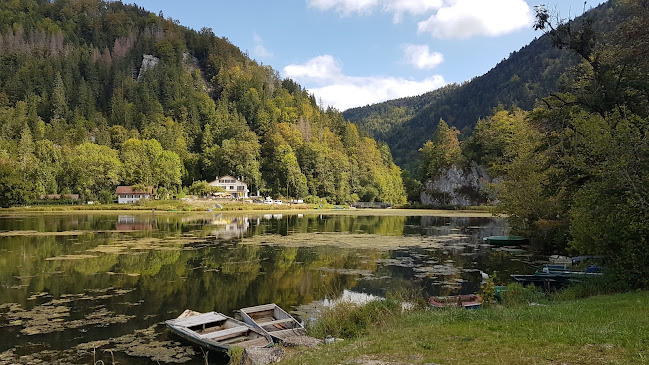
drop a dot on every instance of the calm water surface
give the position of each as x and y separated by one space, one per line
74 284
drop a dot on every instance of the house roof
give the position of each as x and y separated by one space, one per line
129 190
229 177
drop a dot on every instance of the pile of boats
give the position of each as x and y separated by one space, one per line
261 326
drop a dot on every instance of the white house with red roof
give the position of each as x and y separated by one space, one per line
126 194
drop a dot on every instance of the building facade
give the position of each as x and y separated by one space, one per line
126 194
233 186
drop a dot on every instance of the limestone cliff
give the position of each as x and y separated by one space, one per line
457 186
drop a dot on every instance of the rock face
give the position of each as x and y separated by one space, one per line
457 186
148 62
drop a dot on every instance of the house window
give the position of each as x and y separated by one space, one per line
231 187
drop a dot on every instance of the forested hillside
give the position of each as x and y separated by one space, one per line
531 73
571 173
95 93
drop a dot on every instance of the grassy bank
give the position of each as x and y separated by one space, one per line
611 329
238 207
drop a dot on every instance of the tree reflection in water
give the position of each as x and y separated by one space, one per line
145 268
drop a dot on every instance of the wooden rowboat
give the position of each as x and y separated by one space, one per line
216 331
505 240
471 301
273 320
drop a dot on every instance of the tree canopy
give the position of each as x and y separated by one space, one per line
152 102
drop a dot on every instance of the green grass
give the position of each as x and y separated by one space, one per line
161 205
612 329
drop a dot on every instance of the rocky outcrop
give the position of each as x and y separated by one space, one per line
457 186
262 355
148 62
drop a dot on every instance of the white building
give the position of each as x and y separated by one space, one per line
232 186
126 194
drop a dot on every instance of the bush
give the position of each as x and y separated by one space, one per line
488 290
517 294
606 284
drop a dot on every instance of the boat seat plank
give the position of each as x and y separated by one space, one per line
227 332
236 340
199 319
288 333
277 321
261 342
259 308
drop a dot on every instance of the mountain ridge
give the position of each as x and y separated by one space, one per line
526 75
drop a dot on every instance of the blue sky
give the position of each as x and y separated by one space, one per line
358 52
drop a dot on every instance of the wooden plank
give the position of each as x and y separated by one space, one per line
258 342
288 333
259 308
234 340
199 319
278 321
225 333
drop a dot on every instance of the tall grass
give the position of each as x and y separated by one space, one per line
350 320
235 354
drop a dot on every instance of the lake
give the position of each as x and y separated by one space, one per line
86 287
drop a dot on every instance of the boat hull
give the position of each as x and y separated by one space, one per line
506 240
472 301
217 332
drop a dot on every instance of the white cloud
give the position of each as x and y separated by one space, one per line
414 7
421 57
320 69
459 19
466 18
260 50
343 92
344 7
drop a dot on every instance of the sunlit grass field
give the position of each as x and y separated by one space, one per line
612 329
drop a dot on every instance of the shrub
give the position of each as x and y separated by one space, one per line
606 284
517 294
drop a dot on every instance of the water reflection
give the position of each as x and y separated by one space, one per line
132 223
228 229
71 283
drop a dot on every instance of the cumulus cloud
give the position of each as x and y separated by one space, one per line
420 56
466 18
341 91
414 7
344 7
320 69
459 19
260 50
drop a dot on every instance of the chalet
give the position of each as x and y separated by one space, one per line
232 186
126 194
